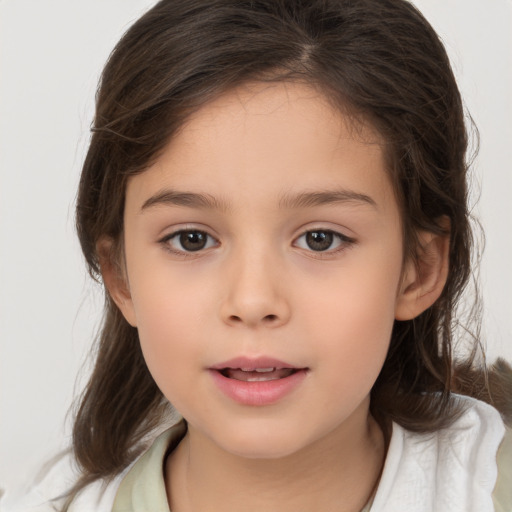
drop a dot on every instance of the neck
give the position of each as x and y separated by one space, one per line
338 473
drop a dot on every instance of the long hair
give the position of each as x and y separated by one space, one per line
381 61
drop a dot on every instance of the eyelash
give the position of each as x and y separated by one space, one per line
343 241
167 239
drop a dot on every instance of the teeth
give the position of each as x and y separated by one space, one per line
262 378
258 374
259 370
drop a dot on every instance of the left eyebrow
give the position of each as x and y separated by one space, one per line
319 198
188 199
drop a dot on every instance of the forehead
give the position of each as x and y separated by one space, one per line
295 110
273 139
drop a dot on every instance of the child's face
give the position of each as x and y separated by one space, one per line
289 249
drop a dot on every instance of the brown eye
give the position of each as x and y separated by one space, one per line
193 240
323 240
319 240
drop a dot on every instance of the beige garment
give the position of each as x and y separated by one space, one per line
143 488
502 495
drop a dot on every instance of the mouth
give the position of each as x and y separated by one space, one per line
257 374
258 369
257 381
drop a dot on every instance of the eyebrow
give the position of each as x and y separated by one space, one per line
287 201
323 197
189 199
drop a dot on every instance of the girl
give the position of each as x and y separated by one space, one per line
275 199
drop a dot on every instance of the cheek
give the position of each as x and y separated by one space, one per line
351 351
357 336
168 311
352 320
170 349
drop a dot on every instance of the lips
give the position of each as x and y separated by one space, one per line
259 381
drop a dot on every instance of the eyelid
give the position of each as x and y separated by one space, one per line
345 242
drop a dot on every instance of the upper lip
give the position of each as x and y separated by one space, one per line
252 363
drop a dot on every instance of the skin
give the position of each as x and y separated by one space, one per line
258 288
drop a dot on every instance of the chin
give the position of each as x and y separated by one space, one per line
262 442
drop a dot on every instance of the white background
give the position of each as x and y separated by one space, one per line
51 55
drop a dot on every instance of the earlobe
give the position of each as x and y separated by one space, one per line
115 279
423 280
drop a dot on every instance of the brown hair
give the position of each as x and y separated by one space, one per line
379 59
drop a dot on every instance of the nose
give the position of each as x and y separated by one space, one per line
254 292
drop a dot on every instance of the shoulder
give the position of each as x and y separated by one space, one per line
502 495
453 469
470 442
53 480
58 476
47 493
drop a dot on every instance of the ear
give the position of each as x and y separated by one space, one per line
115 279
423 280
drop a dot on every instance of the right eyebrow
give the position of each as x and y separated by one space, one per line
322 197
189 199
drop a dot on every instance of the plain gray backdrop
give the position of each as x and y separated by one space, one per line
51 54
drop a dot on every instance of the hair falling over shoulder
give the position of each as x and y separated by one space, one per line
380 61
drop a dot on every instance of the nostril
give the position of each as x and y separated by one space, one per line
270 320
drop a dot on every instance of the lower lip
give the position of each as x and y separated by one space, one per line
259 392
